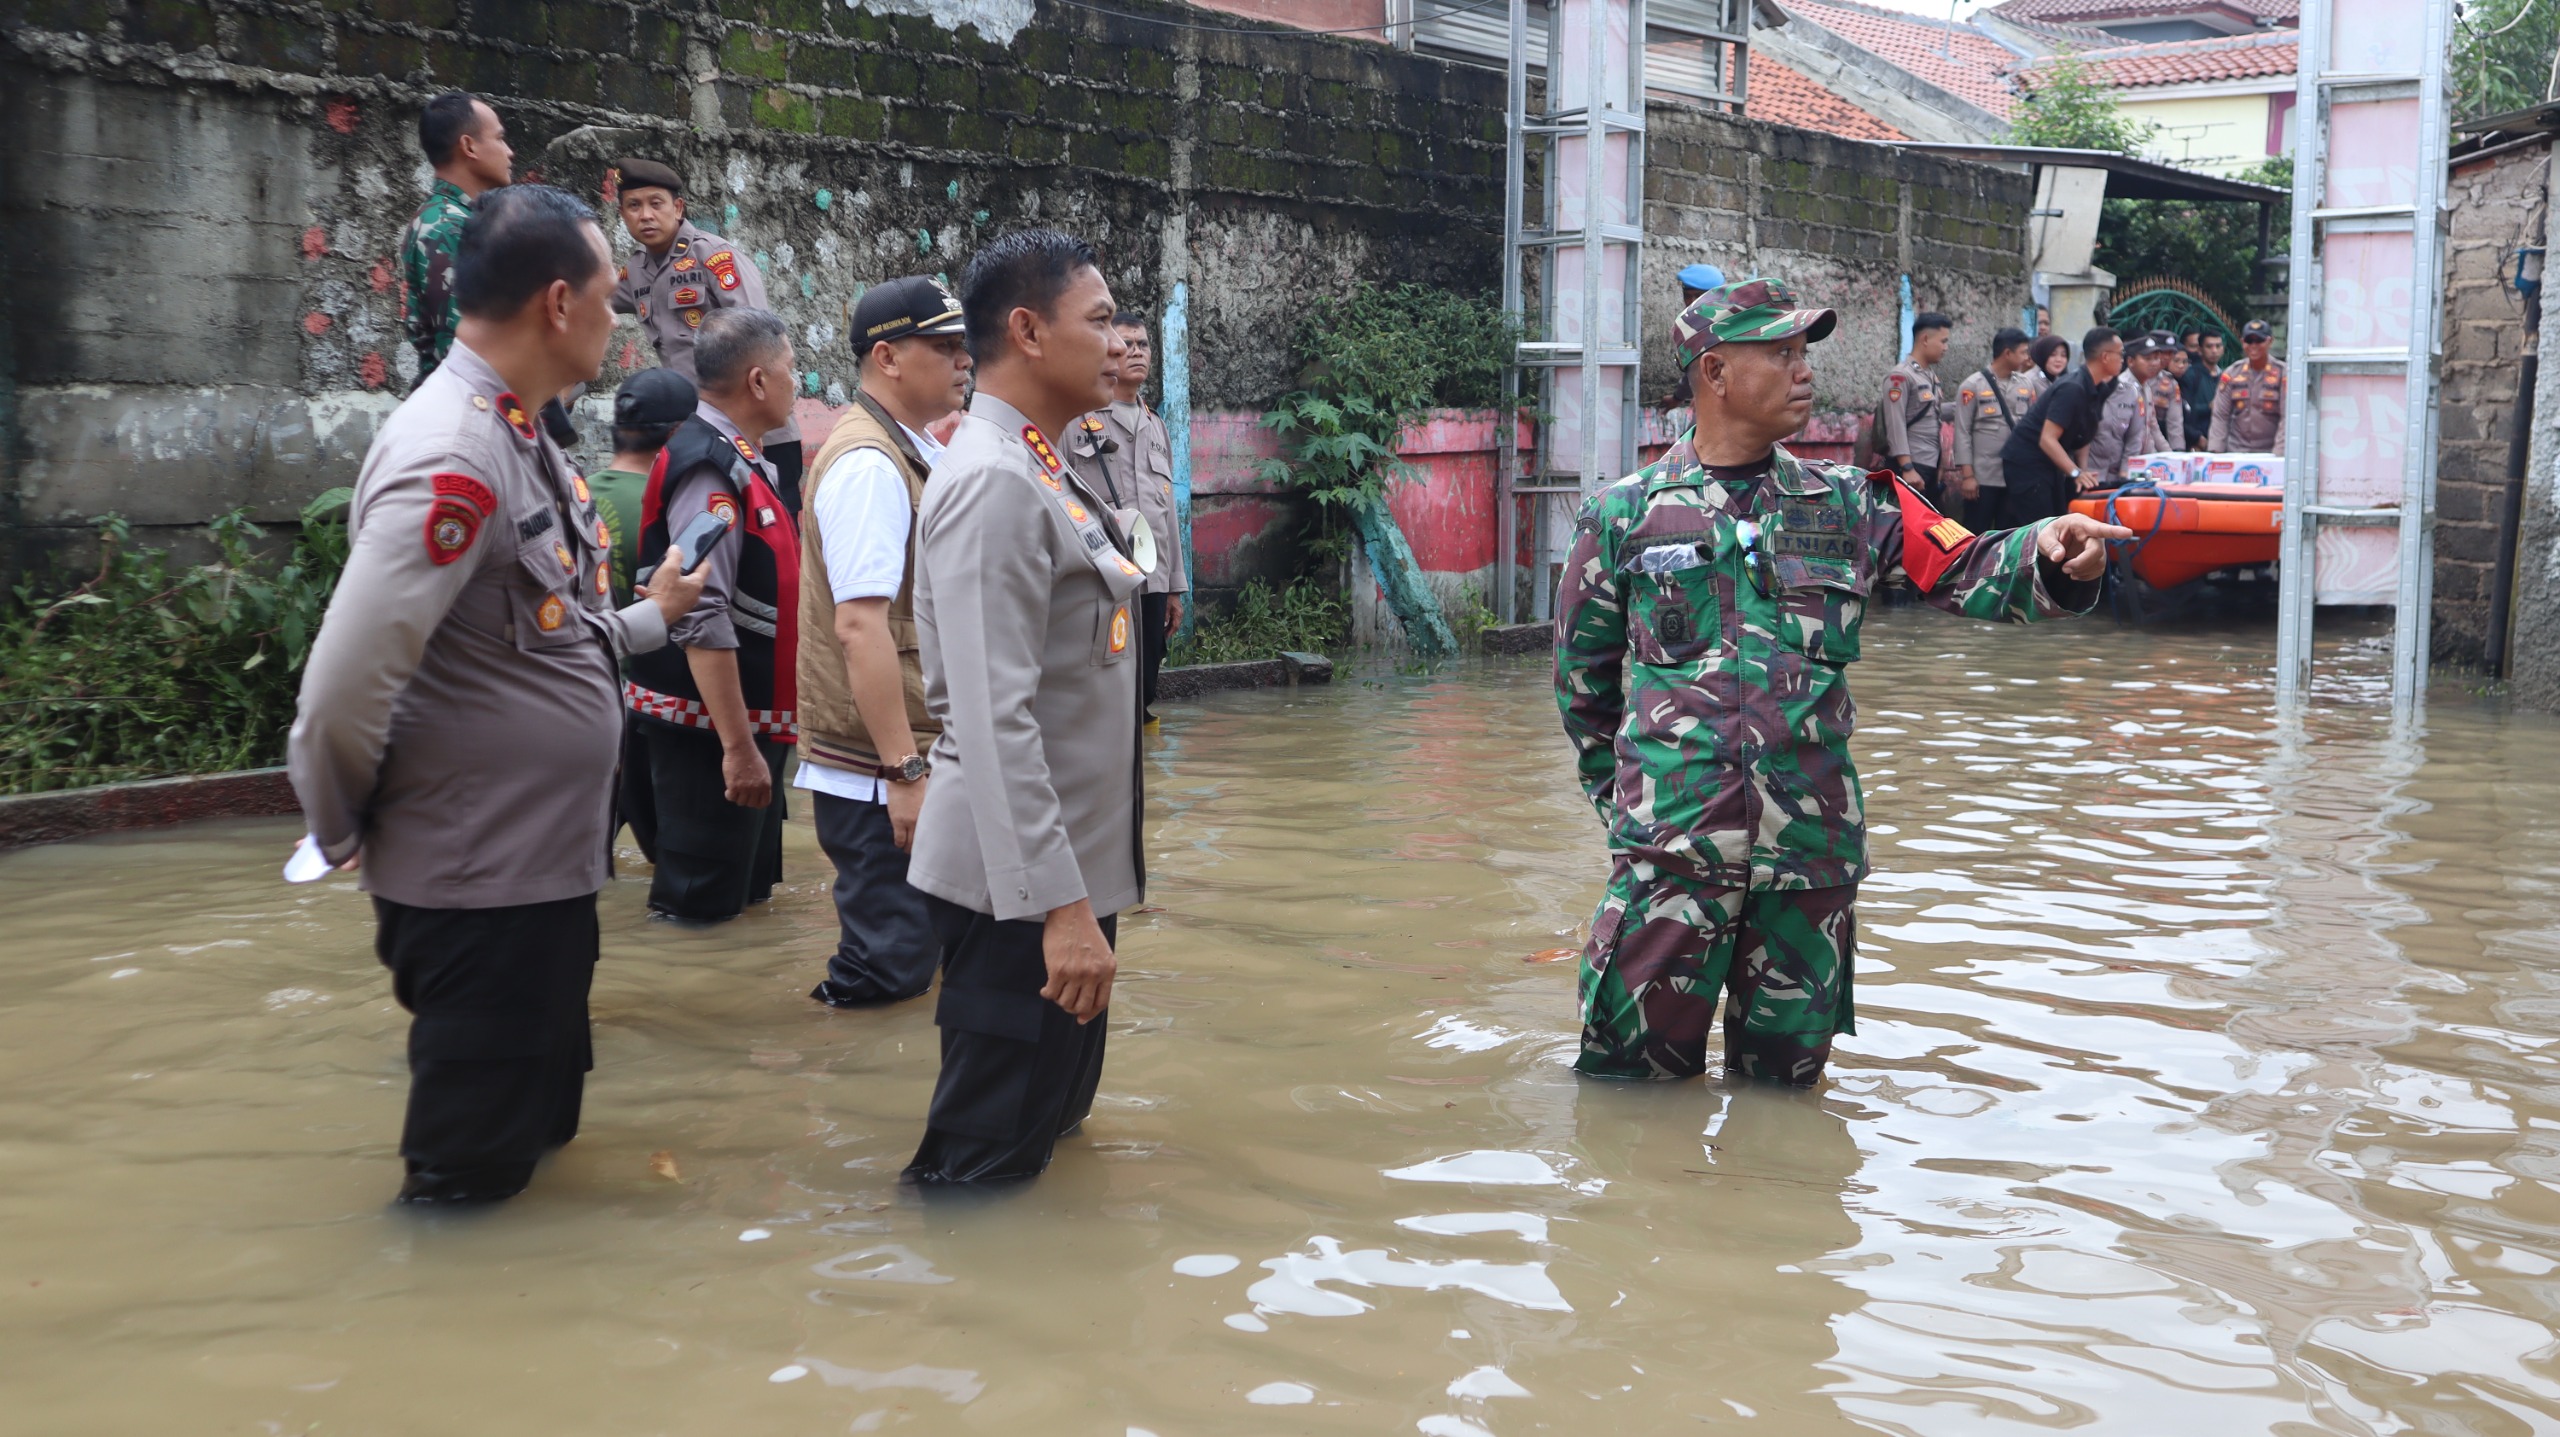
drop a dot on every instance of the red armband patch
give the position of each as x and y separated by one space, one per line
723 506
461 504
1931 542
723 267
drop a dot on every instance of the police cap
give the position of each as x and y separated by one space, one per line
2257 329
640 174
904 308
654 397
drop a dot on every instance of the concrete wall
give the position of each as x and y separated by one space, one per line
209 196
2494 205
206 196
1842 220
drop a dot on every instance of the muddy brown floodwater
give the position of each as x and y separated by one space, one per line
2204 1084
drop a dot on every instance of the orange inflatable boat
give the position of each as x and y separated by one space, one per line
2182 532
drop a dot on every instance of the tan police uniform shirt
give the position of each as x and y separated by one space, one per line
1026 614
673 293
2124 430
462 710
1981 426
1911 415
2248 410
1135 472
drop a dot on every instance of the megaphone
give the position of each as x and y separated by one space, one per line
1142 543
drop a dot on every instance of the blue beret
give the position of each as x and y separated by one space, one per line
1702 276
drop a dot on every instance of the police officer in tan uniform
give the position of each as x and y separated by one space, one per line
2125 424
1027 611
1911 406
1988 404
2248 409
682 275
1124 451
460 714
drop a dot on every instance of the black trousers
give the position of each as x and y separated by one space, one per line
1151 645
787 463
1017 1072
1930 489
2034 492
713 856
498 1042
885 948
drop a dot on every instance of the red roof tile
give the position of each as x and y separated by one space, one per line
2188 62
1783 97
1956 58
2102 11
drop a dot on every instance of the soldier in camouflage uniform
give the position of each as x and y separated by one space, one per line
1709 606
466 144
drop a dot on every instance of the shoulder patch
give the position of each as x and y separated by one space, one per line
724 266
724 506
1893 389
454 517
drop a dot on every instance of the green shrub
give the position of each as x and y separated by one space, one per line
147 671
1260 623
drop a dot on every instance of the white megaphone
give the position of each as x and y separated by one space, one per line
1142 543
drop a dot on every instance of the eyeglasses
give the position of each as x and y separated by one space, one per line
1755 560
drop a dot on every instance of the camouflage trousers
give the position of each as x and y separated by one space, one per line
1662 947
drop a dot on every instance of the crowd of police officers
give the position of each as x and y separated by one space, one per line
952 608
945 614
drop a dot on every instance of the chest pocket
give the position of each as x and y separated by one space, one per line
1675 612
1818 616
548 588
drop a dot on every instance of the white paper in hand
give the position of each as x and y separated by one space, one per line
306 865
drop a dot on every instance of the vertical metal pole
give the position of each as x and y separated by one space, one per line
1177 427
1595 250
1506 507
2296 583
2413 621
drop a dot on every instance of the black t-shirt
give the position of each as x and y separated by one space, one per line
2075 402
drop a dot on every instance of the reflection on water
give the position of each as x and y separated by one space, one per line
2204 1077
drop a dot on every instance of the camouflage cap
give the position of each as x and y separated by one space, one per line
1751 312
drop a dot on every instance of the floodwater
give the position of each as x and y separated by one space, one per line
2204 1083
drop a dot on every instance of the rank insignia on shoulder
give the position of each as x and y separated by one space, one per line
1038 444
512 410
745 450
578 486
551 614
724 266
723 506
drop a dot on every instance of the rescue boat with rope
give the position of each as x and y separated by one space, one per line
2183 531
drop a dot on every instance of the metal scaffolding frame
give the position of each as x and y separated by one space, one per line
1602 108
2371 99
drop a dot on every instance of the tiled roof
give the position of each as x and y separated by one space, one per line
1783 97
1956 58
2189 62
2085 12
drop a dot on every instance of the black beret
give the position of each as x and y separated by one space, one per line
639 174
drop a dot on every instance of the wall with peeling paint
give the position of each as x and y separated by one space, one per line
205 197
208 195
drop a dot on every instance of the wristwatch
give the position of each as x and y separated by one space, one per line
910 769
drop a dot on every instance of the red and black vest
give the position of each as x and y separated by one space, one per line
763 607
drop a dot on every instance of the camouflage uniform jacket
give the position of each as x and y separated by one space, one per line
427 308
1711 722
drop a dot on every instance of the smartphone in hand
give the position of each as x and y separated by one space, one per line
698 539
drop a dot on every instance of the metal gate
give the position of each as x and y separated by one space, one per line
2365 305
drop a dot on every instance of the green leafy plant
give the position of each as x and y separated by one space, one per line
2213 243
2069 107
2502 56
150 669
1261 623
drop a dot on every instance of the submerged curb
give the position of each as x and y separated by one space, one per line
33 818
1289 668
1517 639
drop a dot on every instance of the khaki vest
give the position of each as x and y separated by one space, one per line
831 729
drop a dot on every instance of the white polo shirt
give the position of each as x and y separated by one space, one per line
862 516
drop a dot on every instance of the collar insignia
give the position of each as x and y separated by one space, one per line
512 410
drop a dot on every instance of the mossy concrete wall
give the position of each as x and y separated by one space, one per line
205 197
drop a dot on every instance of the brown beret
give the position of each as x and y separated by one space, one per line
639 174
